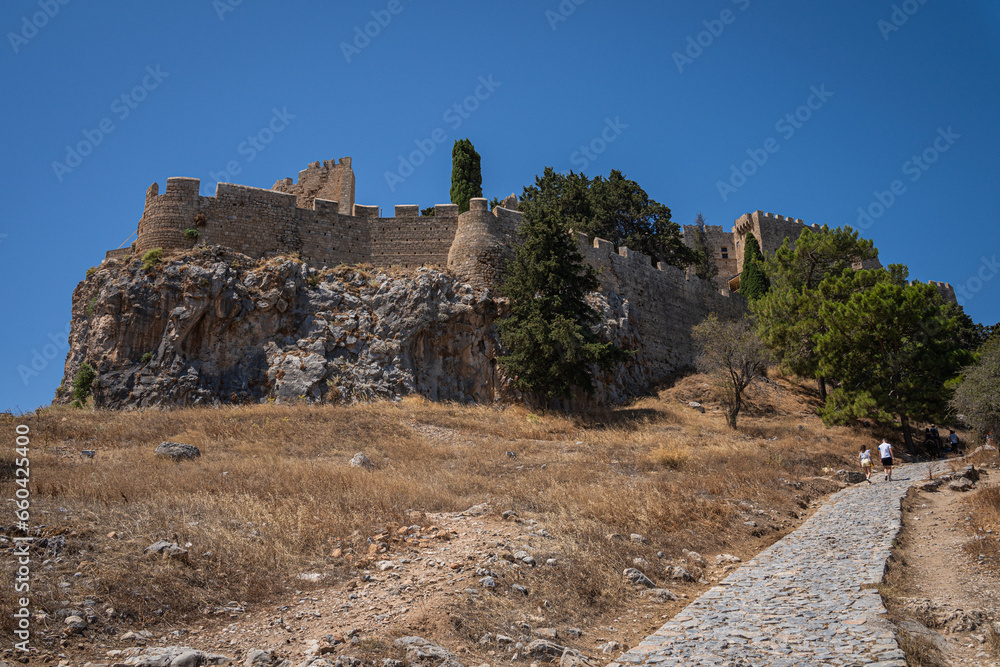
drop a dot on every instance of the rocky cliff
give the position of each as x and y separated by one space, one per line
212 326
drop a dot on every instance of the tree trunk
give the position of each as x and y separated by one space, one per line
734 411
907 438
821 382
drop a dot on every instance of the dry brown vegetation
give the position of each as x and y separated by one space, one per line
272 495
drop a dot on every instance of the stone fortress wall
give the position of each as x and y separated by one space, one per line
295 217
770 230
317 218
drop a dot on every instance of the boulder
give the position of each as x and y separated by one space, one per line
850 476
177 451
176 656
166 550
932 485
694 405
544 650
961 484
419 650
678 573
359 460
636 577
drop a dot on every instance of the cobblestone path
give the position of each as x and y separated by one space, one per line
809 599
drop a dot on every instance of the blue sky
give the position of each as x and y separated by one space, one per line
819 110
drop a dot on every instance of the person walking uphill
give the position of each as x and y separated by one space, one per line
885 452
866 463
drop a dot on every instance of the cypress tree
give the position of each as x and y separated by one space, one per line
753 281
466 174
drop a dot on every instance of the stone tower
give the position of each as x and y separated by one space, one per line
332 180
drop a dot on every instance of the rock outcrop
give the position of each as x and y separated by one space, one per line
212 326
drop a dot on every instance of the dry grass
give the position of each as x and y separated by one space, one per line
272 495
984 508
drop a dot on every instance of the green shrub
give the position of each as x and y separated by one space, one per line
152 258
147 357
191 234
91 306
83 383
91 271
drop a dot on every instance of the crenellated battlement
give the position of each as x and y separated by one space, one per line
257 221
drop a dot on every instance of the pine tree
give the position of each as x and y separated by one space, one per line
753 281
891 345
466 174
548 338
788 315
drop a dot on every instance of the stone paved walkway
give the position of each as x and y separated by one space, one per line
809 599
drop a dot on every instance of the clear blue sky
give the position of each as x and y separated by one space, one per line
675 94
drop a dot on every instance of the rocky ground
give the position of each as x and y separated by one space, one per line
412 583
945 592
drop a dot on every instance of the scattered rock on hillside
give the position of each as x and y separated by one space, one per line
176 656
571 658
361 461
727 558
961 484
850 476
177 451
258 658
166 550
932 485
637 577
678 573
419 650
543 649
694 405
693 557
971 473
660 593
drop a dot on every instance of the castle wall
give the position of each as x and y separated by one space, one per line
255 221
409 239
483 244
664 300
166 216
770 230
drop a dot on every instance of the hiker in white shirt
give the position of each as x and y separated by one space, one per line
885 451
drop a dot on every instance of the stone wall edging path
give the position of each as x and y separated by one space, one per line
808 599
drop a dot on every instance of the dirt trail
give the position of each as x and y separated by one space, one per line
944 586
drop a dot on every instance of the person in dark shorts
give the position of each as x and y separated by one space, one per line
885 452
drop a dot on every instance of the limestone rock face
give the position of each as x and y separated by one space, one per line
214 326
